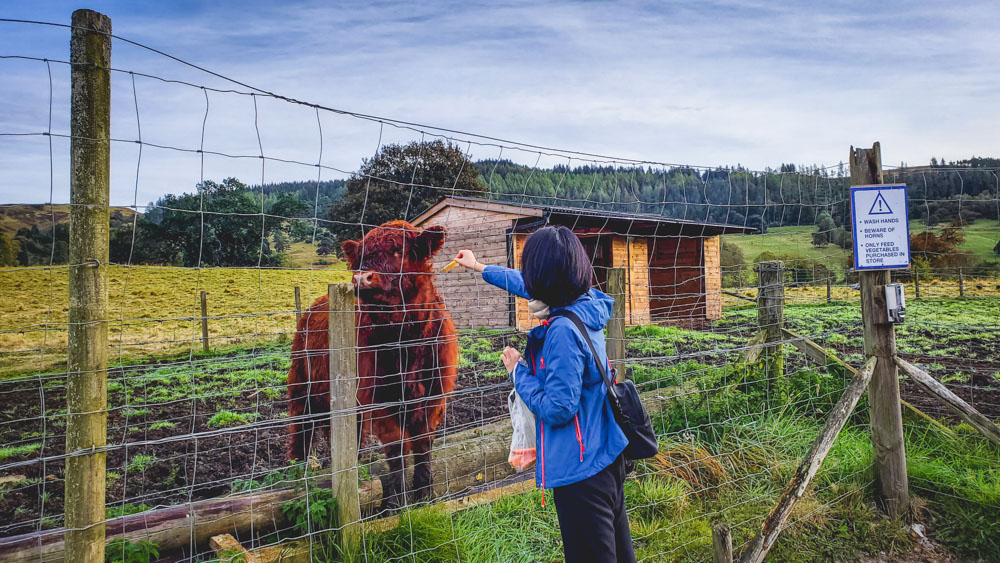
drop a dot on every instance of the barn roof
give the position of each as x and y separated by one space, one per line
585 217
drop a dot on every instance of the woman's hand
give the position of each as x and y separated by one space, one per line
467 259
510 357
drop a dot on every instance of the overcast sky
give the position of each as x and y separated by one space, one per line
700 83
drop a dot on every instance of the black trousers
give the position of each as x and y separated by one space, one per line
592 517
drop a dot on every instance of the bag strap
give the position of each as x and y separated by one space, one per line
612 397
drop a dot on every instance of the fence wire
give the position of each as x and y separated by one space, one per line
200 428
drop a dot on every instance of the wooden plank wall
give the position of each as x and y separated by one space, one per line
676 278
473 303
638 280
525 320
713 278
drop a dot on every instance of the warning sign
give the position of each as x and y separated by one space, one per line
881 227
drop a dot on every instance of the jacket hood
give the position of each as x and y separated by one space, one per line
593 308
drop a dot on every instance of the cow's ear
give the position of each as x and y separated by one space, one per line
351 252
425 243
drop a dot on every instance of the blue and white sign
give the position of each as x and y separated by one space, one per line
881 227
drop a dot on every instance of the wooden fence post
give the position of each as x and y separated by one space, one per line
298 305
829 289
771 319
204 321
916 283
961 283
615 344
880 341
722 544
87 357
343 414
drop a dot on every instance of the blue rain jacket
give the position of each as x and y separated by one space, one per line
575 430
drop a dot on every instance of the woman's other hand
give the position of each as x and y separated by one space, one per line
467 259
510 357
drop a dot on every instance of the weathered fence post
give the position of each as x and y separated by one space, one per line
722 544
916 283
829 289
615 345
87 358
204 321
343 413
961 283
880 341
771 319
298 305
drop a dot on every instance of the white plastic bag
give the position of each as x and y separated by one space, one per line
522 443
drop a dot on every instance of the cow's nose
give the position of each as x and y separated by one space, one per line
363 279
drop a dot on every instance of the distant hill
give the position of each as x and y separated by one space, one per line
14 217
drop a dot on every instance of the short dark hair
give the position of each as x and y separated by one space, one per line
555 266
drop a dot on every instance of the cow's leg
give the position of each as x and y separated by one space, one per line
422 479
301 428
389 433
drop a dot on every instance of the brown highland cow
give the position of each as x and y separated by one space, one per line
407 355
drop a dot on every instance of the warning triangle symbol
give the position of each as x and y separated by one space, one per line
880 206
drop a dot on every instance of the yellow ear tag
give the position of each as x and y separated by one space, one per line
449 267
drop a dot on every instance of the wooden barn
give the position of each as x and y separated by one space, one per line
671 265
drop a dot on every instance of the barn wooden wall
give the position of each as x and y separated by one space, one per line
676 278
472 302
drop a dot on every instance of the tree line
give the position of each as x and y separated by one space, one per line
228 223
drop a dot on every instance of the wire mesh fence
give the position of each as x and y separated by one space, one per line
218 360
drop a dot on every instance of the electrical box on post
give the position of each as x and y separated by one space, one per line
895 302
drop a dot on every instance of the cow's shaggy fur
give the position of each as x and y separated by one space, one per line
407 355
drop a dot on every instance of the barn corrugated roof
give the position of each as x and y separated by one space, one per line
556 211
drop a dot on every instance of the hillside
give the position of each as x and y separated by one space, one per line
24 216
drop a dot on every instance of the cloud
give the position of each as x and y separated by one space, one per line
712 83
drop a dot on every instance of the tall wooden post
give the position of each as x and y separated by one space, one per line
961 283
880 341
829 289
204 321
916 284
343 413
298 305
87 359
615 344
771 319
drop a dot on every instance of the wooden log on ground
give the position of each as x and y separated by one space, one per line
463 460
799 484
460 461
964 410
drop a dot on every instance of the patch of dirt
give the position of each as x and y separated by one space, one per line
181 469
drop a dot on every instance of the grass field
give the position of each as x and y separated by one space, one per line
155 311
796 243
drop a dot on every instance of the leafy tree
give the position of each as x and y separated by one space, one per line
734 266
939 251
327 244
221 225
825 229
9 249
400 182
281 242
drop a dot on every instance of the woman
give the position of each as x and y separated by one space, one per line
579 443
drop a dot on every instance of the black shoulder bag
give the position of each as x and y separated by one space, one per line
629 413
